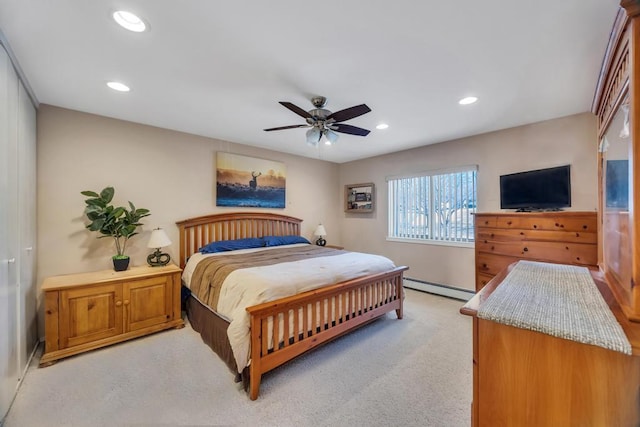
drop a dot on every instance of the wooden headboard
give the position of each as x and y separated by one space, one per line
197 232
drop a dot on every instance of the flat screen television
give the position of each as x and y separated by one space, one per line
542 189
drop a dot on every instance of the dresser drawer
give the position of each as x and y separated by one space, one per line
491 264
557 223
559 252
485 221
482 280
496 234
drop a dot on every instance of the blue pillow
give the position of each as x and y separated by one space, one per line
283 240
232 245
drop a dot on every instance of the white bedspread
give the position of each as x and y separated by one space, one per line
251 286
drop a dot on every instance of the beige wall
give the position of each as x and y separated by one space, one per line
170 173
570 140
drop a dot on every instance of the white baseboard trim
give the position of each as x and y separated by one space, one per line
437 289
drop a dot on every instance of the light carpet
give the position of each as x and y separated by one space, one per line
410 372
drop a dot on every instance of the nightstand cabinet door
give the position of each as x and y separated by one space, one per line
148 302
89 314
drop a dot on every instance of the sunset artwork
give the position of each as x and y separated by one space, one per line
243 181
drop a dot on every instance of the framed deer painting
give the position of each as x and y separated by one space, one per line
243 181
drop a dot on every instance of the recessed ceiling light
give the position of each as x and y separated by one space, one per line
382 126
129 21
468 100
120 87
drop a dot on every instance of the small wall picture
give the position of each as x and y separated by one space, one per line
243 181
359 198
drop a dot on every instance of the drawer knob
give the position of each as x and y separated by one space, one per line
526 249
118 303
126 302
508 222
535 226
584 227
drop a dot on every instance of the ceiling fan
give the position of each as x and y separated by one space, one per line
324 122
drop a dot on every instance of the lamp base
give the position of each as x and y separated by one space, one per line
158 259
321 242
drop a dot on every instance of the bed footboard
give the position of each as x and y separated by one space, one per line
283 329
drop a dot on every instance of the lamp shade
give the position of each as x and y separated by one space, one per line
320 231
159 239
331 136
313 136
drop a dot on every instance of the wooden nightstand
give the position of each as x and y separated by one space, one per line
91 310
334 247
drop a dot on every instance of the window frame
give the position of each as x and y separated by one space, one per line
392 224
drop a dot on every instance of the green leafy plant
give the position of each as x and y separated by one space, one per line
117 222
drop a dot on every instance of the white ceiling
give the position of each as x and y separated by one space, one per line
219 68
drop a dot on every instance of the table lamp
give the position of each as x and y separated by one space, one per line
320 232
158 239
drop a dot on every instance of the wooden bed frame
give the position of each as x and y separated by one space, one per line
338 308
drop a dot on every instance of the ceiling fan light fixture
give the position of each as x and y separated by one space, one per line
331 136
129 21
313 136
382 126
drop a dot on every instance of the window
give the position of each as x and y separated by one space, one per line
433 206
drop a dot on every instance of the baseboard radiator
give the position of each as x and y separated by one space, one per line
438 289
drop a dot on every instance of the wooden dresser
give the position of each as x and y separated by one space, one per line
560 237
92 310
527 378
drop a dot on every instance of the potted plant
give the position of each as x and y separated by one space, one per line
117 222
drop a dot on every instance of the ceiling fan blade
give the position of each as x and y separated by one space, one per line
349 113
352 130
299 111
287 127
